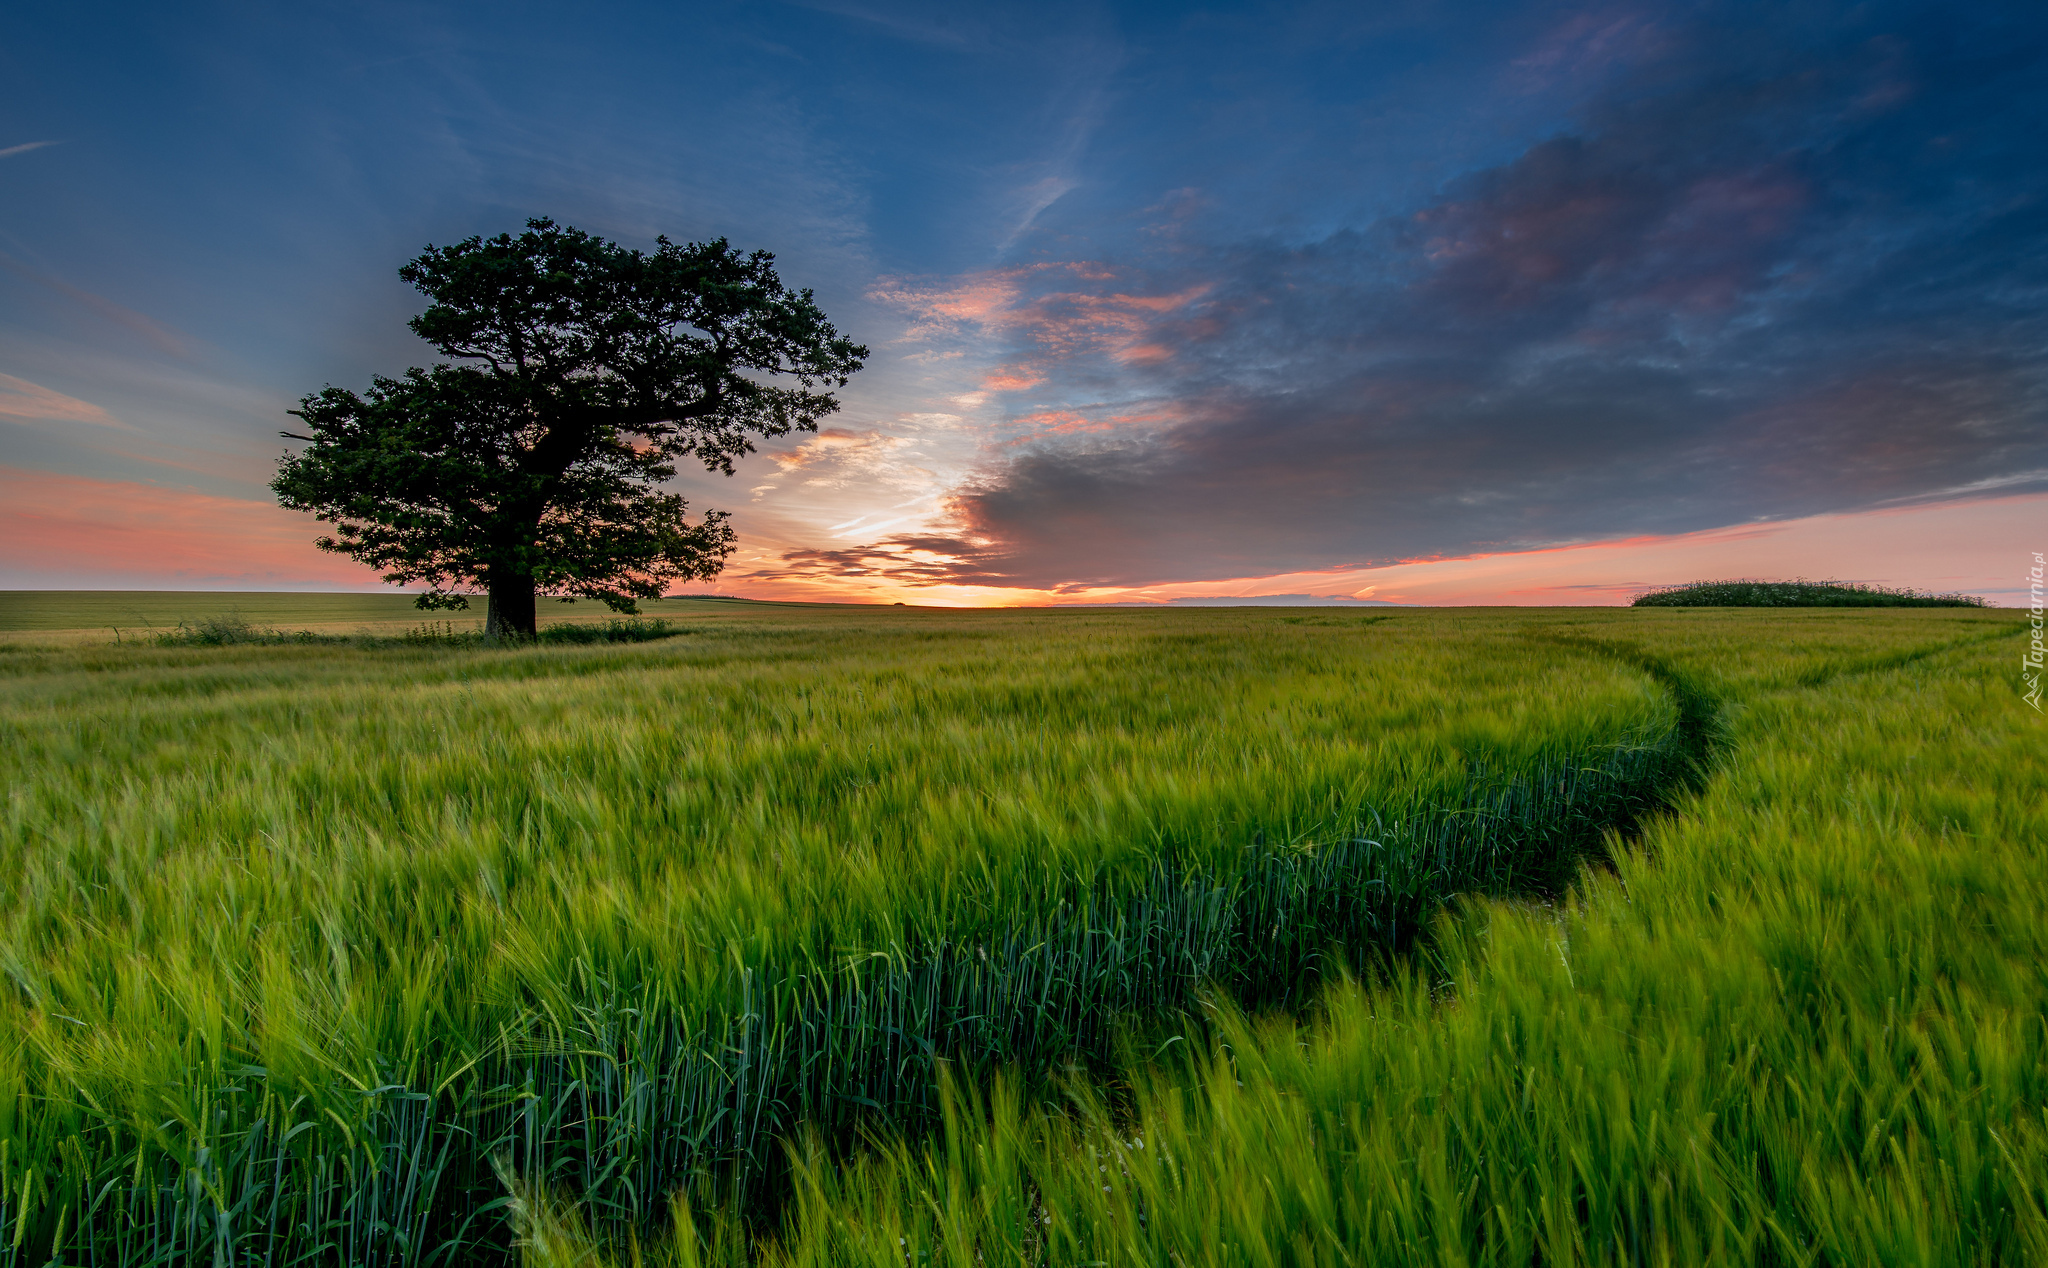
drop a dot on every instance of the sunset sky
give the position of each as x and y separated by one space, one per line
1368 302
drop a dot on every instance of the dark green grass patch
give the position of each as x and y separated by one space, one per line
631 630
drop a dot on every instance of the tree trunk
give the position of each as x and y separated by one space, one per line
511 613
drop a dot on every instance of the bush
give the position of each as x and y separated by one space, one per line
1750 593
233 627
441 634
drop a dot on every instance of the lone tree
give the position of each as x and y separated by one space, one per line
536 467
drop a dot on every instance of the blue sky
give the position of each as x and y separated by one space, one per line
1162 299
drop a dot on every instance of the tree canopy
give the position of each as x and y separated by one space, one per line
589 371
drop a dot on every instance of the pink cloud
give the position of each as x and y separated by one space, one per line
1012 379
20 398
1057 422
1082 419
1044 304
1144 353
842 447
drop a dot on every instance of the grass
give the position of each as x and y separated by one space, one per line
133 613
67 617
1801 1021
389 953
230 628
1797 594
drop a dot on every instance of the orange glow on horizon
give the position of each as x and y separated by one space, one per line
68 531
1954 546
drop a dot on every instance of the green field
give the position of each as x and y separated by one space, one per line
139 614
885 935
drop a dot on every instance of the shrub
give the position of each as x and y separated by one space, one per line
441 634
232 628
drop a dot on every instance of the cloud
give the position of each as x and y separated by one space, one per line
151 332
1067 310
1279 601
838 457
22 399
13 150
1758 279
908 560
1012 379
1036 197
1584 45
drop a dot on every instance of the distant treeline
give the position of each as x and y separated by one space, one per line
1749 593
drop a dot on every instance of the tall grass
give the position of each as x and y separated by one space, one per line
1803 1020
312 945
229 628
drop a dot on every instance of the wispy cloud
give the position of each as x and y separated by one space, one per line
1064 310
154 333
24 148
22 399
1036 197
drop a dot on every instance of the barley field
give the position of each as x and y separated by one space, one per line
910 936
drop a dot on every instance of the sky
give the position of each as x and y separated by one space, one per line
1402 302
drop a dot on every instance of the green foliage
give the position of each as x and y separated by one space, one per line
589 370
439 477
442 634
1796 594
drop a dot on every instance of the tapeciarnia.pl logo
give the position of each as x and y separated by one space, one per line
2030 666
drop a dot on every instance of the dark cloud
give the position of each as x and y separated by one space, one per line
1776 271
906 560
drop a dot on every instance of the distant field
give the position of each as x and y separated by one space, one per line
137 613
323 953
